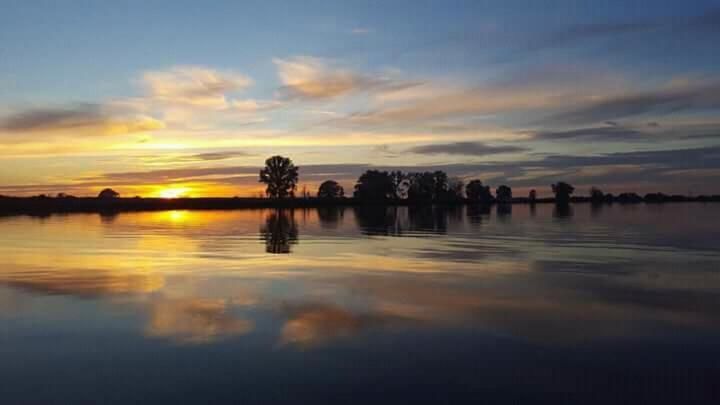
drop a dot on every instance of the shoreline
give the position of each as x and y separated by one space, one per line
48 205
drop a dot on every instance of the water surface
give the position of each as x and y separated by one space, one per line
397 305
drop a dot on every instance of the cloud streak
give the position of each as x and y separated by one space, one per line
306 77
79 119
682 97
466 149
193 85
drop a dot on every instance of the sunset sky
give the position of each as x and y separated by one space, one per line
160 98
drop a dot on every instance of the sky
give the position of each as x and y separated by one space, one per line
170 98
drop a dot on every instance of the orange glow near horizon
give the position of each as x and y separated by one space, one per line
174 192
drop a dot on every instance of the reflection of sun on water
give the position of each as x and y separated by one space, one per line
177 216
174 192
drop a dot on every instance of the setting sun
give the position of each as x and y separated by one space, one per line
175 192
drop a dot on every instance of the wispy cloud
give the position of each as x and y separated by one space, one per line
709 20
610 133
196 158
314 78
78 119
199 86
466 149
362 31
680 96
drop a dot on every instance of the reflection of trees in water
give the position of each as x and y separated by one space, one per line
330 217
280 231
504 211
476 213
392 220
108 217
377 219
563 211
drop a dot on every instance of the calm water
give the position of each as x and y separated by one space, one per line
375 305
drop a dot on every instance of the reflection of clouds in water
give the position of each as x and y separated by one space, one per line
554 310
11 302
81 282
314 324
582 278
194 320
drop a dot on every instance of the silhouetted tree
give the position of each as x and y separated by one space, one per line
655 197
281 177
475 191
280 231
108 193
401 184
422 186
562 192
330 189
455 188
532 196
629 198
440 185
596 195
503 194
374 185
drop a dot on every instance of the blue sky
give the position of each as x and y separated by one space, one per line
147 95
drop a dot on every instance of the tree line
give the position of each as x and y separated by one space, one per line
280 176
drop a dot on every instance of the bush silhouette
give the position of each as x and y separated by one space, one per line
108 193
476 191
374 185
330 189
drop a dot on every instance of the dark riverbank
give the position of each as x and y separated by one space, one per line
20 205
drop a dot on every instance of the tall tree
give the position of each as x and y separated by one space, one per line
281 177
330 189
562 192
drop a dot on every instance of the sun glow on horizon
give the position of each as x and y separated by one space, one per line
174 192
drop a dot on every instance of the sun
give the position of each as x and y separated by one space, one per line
174 192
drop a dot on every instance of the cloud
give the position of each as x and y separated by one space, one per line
612 133
193 85
679 96
361 31
314 78
466 148
536 90
708 21
653 169
197 157
79 119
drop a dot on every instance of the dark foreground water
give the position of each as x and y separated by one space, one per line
618 304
